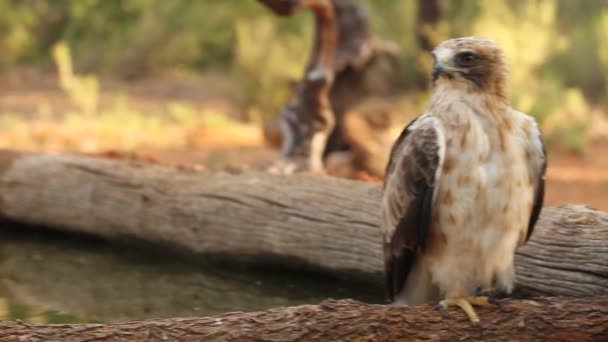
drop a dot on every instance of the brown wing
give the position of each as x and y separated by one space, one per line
537 169
408 197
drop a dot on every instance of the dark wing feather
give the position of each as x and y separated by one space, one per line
408 198
391 161
539 174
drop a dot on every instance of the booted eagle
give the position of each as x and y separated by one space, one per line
464 185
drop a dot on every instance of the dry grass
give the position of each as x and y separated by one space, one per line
73 117
124 130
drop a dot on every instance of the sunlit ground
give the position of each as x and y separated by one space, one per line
190 121
36 114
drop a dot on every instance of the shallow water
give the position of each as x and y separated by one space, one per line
60 278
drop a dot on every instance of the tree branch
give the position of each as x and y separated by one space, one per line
547 319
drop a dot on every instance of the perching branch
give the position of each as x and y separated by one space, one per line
541 319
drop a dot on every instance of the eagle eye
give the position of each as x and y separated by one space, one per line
465 59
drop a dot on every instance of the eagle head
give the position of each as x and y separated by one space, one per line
476 63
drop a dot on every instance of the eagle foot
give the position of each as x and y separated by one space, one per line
496 303
466 304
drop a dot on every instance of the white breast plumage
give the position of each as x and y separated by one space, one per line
464 184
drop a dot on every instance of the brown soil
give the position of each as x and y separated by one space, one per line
579 179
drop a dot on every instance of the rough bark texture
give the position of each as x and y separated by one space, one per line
334 80
546 319
327 223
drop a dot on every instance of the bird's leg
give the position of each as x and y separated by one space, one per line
482 301
466 304
462 303
493 296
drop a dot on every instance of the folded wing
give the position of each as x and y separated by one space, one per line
537 166
409 188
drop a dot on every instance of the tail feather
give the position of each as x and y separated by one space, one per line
419 287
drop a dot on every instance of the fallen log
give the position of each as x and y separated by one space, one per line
327 223
546 319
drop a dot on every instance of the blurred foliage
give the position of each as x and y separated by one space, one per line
117 126
82 90
12 311
555 47
602 34
121 126
266 59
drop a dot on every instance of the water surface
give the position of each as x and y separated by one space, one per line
48 277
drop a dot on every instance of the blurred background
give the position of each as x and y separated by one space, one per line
202 82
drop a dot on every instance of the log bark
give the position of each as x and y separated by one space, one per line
546 319
324 223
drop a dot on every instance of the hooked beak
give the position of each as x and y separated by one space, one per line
444 63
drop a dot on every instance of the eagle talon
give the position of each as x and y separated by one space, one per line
466 304
497 303
442 310
481 329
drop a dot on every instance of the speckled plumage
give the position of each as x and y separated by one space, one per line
464 184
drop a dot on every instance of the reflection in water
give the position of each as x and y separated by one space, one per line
59 278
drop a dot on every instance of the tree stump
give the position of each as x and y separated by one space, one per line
334 81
